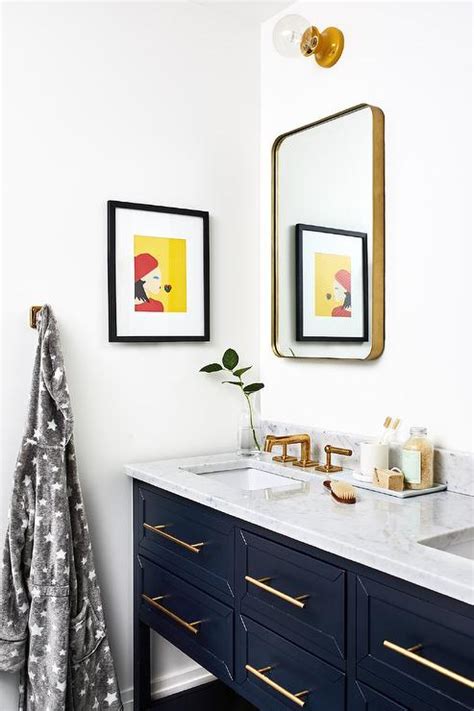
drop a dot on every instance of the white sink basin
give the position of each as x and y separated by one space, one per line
459 542
246 478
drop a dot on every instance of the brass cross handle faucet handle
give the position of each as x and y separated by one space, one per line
301 439
329 467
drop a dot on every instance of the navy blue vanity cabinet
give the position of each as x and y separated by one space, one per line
186 537
390 621
286 625
194 621
278 675
293 594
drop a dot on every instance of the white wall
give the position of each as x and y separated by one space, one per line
142 102
395 58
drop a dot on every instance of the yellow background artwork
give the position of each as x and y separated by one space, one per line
325 268
171 255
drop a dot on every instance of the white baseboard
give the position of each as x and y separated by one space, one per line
170 684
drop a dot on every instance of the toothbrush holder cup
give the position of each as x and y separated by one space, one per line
372 455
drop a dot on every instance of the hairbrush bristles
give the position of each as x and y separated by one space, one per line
341 492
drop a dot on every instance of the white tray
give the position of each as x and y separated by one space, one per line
405 494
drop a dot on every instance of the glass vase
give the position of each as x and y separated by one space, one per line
249 436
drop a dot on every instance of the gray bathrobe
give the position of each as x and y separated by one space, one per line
52 625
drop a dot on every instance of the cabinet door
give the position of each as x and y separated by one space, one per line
184 536
301 598
277 675
199 625
390 623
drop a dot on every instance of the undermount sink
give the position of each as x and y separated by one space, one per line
246 478
460 542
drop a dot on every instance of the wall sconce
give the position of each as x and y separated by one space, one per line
293 36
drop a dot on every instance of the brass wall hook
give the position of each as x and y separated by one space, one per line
34 311
329 467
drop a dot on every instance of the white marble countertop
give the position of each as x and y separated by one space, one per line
379 531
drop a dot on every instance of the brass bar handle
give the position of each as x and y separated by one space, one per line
190 626
261 583
193 547
281 690
410 653
338 450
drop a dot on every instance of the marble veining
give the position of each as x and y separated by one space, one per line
451 467
380 531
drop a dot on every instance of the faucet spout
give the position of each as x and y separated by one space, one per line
303 440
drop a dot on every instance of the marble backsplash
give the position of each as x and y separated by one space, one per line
456 469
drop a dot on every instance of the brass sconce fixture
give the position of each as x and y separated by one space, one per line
293 36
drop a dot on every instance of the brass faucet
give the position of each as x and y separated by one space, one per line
303 439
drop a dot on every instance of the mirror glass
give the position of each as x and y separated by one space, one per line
328 238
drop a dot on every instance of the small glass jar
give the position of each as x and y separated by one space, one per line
417 460
249 435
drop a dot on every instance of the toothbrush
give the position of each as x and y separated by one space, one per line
386 425
393 429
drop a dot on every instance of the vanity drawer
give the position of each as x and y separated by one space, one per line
391 623
275 672
187 537
192 620
294 594
364 698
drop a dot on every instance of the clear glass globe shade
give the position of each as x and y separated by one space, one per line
287 35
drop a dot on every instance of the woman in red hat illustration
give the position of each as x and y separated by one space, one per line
342 292
148 283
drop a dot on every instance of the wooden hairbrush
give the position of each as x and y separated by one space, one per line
341 492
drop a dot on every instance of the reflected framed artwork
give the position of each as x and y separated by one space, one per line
158 269
331 285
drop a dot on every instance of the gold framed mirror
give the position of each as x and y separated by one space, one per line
328 258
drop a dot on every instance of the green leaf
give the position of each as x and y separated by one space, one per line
232 382
230 359
238 373
253 388
211 368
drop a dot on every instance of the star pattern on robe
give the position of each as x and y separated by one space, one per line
47 515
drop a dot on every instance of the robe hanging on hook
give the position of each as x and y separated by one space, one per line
294 36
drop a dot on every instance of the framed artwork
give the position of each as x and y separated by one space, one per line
158 268
331 285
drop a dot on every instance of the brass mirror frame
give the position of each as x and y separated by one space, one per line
378 230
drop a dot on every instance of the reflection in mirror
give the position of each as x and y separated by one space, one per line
328 238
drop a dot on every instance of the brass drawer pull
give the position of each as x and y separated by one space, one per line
410 653
193 547
190 626
260 674
261 583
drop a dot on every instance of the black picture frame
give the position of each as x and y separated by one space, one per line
112 207
300 336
